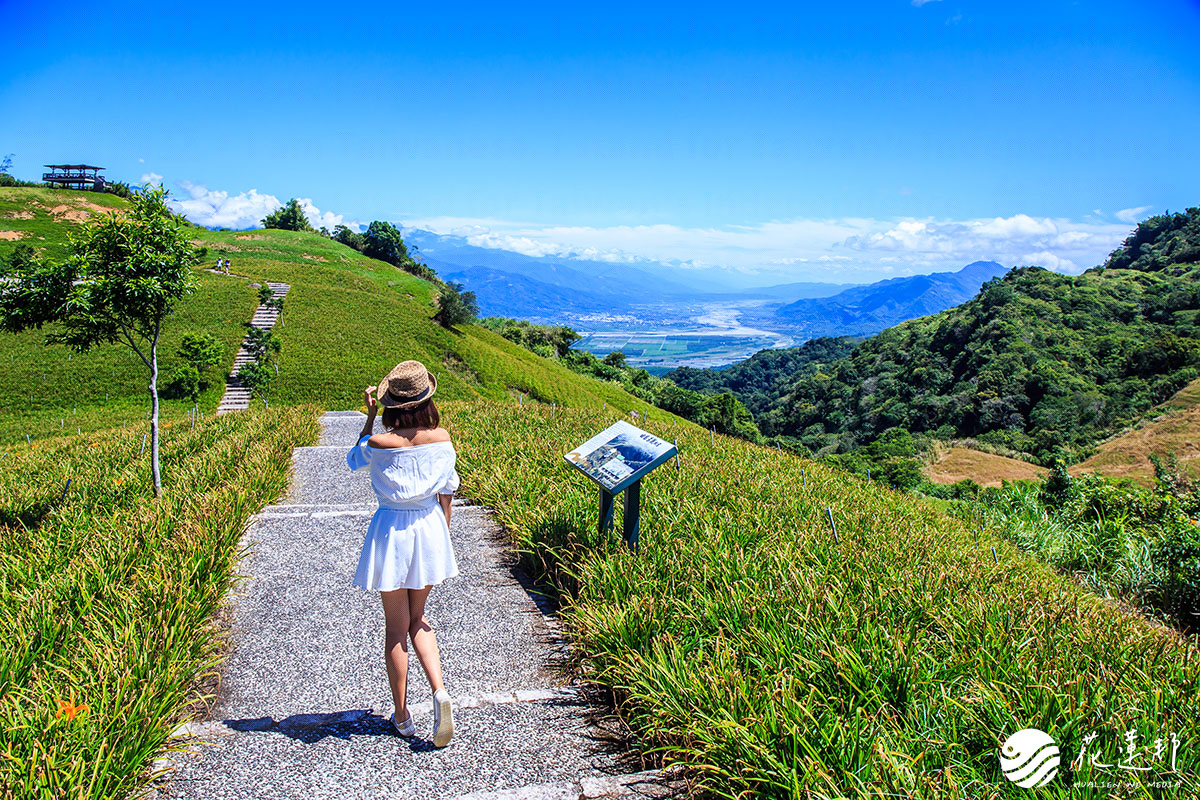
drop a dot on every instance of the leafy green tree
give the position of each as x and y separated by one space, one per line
555 339
118 188
455 306
727 414
124 277
349 238
262 344
257 377
6 178
258 374
615 359
1160 241
289 217
184 383
266 297
202 351
382 240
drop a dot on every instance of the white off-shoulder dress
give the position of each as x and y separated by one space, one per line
408 542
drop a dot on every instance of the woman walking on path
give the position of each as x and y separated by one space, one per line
407 548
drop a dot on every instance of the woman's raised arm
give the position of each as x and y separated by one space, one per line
372 410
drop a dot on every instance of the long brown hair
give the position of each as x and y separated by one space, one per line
422 416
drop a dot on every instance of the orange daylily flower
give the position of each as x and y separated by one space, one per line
68 709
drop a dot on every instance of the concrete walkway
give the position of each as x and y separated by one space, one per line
303 706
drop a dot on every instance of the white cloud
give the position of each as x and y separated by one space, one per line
843 249
1132 215
151 177
1058 244
324 219
219 209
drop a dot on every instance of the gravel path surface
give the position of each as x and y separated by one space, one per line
303 703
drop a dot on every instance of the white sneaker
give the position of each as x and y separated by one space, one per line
408 729
443 719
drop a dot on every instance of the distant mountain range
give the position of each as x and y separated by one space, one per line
508 294
552 289
863 310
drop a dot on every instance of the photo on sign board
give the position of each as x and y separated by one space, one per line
618 454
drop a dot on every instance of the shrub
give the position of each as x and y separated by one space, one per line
289 217
455 306
202 351
184 383
257 377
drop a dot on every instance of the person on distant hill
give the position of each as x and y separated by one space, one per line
407 547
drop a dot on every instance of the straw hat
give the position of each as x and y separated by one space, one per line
408 384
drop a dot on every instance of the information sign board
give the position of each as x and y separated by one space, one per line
619 456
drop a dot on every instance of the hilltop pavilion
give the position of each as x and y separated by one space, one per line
74 176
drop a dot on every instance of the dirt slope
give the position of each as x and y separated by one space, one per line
1176 431
958 463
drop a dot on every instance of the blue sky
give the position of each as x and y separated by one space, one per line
793 141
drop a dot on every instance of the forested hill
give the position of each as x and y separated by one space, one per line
1038 362
759 381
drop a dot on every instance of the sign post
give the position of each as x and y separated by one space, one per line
617 459
633 514
606 510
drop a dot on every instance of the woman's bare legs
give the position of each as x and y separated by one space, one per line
424 641
397 621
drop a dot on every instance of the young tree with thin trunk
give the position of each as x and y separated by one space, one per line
126 273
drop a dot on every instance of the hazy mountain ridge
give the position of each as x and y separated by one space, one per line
863 310
507 294
554 289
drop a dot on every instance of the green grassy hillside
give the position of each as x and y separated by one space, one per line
43 217
748 642
49 391
348 320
